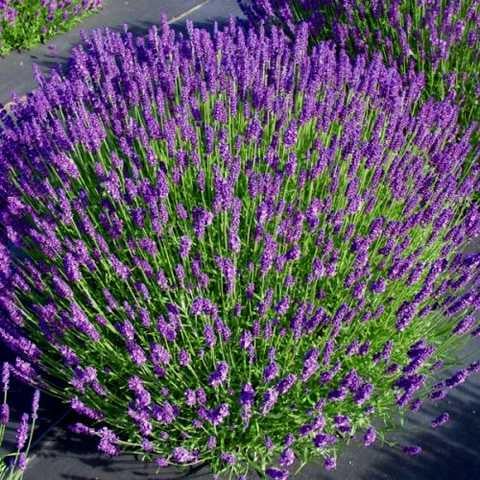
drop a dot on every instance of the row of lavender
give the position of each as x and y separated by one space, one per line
235 249
440 39
25 23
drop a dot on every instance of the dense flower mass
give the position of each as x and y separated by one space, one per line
438 38
24 23
234 251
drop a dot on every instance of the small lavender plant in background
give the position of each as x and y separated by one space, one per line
440 39
230 250
25 23
13 465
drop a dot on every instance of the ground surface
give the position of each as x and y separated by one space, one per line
451 452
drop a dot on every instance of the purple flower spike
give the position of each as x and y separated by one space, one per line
22 431
412 450
330 463
5 377
108 442
4 414
182 455
369 436
442 419
219 376
277 474
287 458
324 440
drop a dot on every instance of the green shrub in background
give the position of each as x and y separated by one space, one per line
440 38
25 23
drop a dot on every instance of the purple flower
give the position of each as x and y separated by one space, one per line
457 379
165 413
412 450
310 364
22 431
405 315
416 405
182 455
142 396
464 325
5 376
277 474
218 414
324 440
209 336
290 137
162 462
287 458
82 429
247 396
212 442
83 409
147 445
246 339
4 414
72 268
184 358
159 355
330 463
185 246
378 286
474 367
201 395
438 395
363 393
219 375
202 219
286 383
270 398
22 461
338 394
442 419
289 440
270 372
228 458
369 437
108 442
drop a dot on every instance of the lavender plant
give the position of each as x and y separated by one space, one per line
13 465
25 23
439 38
225 249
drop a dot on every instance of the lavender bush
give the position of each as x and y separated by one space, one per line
440 39
225 249
13 465
25 23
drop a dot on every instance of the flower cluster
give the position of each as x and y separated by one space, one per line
24 23
13 465
440 39
231 250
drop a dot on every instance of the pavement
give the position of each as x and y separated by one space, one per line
140 15
451 452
